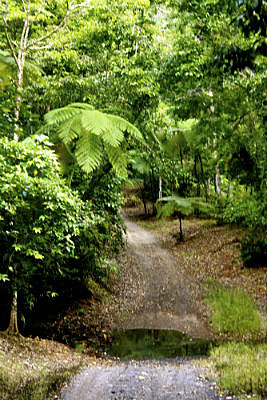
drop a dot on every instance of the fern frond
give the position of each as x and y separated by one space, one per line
167 210
95 132
182 204
113 137
201 205
69 129
60 115
185 206
124 125
118 160
94 121
141 165
89 151
82 106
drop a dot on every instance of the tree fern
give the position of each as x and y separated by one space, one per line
92 132
183 206
118 159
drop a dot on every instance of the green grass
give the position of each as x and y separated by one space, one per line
234 312
241 368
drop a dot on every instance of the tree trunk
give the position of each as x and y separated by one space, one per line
160 188
181 230
203 178
218 181
13 323
218 175
21 60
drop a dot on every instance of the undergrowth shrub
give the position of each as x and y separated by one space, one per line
51 241
242 210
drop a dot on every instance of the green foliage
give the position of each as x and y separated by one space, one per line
49 237
242 209
254 249
94 130
233 312
241 368
185 206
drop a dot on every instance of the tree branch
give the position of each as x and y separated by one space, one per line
38 12
9 42
55 30
62 24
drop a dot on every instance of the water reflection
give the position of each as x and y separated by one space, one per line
154 343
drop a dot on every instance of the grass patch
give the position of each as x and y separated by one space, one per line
241 368
34 369
234 312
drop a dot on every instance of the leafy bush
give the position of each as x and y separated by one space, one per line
254 249
102 190
233 312
49 238
242 210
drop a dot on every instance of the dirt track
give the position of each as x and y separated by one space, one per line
166 300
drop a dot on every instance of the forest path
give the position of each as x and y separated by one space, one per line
166 300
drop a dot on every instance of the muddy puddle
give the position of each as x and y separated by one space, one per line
153 343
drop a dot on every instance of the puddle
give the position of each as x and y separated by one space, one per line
154 343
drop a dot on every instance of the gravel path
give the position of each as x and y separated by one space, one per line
166 299
143 380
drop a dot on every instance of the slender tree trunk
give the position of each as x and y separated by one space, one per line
181 159
218 174
181 229
21 62
160 188
107 60
13 323
218 180
203 178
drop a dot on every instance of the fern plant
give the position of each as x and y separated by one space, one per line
182 206
92 133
